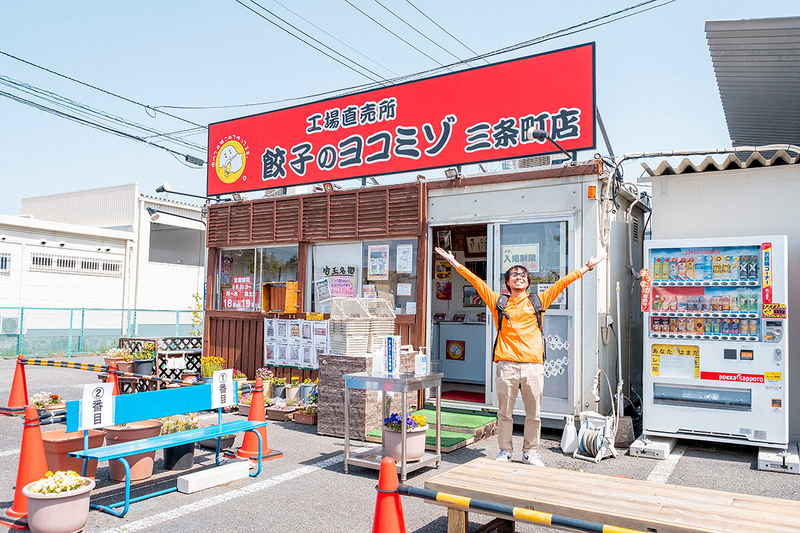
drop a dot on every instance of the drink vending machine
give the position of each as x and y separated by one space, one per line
715 347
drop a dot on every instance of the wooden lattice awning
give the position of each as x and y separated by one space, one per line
396 210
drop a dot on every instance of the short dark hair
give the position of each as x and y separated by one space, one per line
507 275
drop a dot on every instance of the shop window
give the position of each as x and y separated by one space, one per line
240 273
390 272
5 264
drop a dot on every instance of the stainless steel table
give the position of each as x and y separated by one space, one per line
404 382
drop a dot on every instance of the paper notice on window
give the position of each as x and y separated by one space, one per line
676 366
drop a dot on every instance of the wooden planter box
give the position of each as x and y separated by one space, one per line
303 418
280 415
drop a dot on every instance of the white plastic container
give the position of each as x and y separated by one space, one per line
569 438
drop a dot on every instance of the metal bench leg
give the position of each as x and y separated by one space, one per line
260 451
109 508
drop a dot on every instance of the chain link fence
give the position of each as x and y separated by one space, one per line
33 331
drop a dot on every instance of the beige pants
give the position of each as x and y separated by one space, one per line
511 378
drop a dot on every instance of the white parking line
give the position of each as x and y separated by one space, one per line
9 452
172 514
664 469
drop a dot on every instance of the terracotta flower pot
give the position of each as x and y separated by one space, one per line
281 415
125 366
415 443
117 360
60 512
303 418
141 464
58 444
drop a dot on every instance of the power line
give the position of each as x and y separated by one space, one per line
90 112
333 37
317 40
416 30
571 30
96 88
305 42
444 30
393 33
85 122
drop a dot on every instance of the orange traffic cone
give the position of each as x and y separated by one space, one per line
112 378
32 460
388 508
249 449
19 392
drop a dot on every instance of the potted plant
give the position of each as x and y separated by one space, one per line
244 404
48 401
240 376
293 389
115 355
283 411
307 389
59 502
415 436
307 415
266 376
209 365
58 443
143 359
278 387
141 464
179 457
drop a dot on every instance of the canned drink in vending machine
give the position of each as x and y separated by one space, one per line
752 269
716 272
673 269
708 269
708 326
734 303
681 325
735 267
716 326
744 264
699 326
673 325
725 267
726 326
690 268
752 306
734 326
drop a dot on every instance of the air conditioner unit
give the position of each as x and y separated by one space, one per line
9 325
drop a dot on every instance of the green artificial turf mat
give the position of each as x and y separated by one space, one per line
458 420
448 438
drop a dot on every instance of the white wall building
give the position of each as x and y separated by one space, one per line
99 248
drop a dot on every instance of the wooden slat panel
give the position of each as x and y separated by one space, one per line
217 228
239 230
342 219
404 215
315 218
372 207
287 218
264 221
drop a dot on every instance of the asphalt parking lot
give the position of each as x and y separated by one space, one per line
307 490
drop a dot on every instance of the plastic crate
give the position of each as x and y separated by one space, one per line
348 344
348 308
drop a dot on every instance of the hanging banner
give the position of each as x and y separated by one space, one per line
470 116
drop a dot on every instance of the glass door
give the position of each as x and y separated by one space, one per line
545 249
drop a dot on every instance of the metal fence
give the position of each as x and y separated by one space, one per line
67 331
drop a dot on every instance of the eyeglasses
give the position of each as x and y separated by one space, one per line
518 275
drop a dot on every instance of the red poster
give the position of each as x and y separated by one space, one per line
240 295
471 116
647 290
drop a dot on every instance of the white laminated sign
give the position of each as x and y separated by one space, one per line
222 393
97 406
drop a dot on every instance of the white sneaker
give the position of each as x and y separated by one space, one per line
532 458
504 456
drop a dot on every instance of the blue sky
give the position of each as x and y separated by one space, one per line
655 83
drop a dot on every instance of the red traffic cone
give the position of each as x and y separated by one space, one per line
249 449
112 378
32 460
18 398
388 508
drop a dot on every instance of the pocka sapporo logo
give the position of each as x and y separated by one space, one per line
230 158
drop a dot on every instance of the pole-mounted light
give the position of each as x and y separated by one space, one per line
540 135
155 214
168 188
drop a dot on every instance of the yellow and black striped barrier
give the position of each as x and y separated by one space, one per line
93 367
512 513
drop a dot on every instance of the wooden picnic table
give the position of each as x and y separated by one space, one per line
620 502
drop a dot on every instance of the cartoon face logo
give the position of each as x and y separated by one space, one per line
231 160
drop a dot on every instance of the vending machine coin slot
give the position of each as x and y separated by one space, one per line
746 355
773 331
777 356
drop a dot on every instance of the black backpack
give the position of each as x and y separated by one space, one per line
501 312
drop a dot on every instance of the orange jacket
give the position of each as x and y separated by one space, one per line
520 339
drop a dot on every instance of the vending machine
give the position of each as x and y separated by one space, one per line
715 346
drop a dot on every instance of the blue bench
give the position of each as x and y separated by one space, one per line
156 404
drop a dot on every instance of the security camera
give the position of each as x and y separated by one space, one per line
108 249
44 242
62 244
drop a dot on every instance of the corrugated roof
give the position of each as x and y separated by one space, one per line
732 162
757 65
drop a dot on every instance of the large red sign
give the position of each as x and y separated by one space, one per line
471 116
